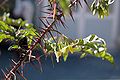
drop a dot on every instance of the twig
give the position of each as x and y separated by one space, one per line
38 40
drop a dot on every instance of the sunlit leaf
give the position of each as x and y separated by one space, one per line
83 55
65 51
4 36
92 45
13 47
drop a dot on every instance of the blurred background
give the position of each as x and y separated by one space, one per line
89 68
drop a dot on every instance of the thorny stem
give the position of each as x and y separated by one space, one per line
4 2
46 30
21 61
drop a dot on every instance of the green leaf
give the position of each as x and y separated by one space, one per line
65 56
71 48
101 7
89 51
4 36
13 47
5 27
83 55
92 45
65 51
64 4
109 58
92 37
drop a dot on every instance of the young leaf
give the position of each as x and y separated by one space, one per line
4 36
83 55
13 47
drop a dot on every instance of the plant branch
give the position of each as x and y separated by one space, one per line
21 61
